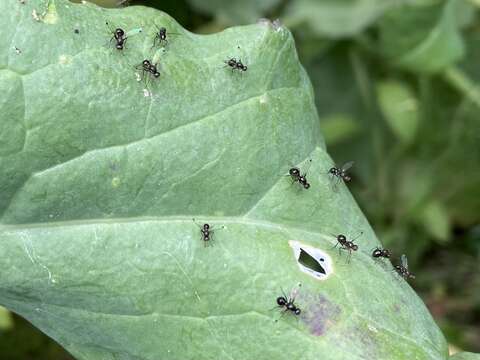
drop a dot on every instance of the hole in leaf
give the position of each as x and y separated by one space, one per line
310 262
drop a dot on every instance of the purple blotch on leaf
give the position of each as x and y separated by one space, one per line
320 314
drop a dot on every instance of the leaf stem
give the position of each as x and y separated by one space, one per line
458 79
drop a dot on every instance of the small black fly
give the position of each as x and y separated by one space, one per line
347 245
206 232
402 268
287 303
297 175
148 68
338 174
161 36
235 64
379 253
119 36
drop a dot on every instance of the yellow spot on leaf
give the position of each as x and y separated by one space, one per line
116 182
64 59
51 16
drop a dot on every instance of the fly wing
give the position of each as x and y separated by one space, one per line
294 292
404 261
307 167
347 166
133 32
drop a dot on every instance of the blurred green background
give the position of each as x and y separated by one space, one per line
397 90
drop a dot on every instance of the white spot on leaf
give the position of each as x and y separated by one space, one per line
372 328
64 59
35 15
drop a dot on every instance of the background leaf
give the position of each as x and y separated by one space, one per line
400 108
426 41
336 18
465 356
338 127
232 12
5 319
435 219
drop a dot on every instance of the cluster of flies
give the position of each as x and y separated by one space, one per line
287 303
284 302
338 174
119 38
377 253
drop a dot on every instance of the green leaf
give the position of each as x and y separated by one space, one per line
475 3
428 40
97 241
336 18
460 81
400 109
235 12
104 3
334 81
454 141
338 128
466 13
434 217
6 321
465 356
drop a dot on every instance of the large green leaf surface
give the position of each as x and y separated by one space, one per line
100 180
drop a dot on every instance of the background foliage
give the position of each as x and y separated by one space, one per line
396 89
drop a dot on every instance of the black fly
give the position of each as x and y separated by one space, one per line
378 253
148 68
161 36
235 64
288 303
347 245
119 37
402 269
206 232
297 176
338 174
